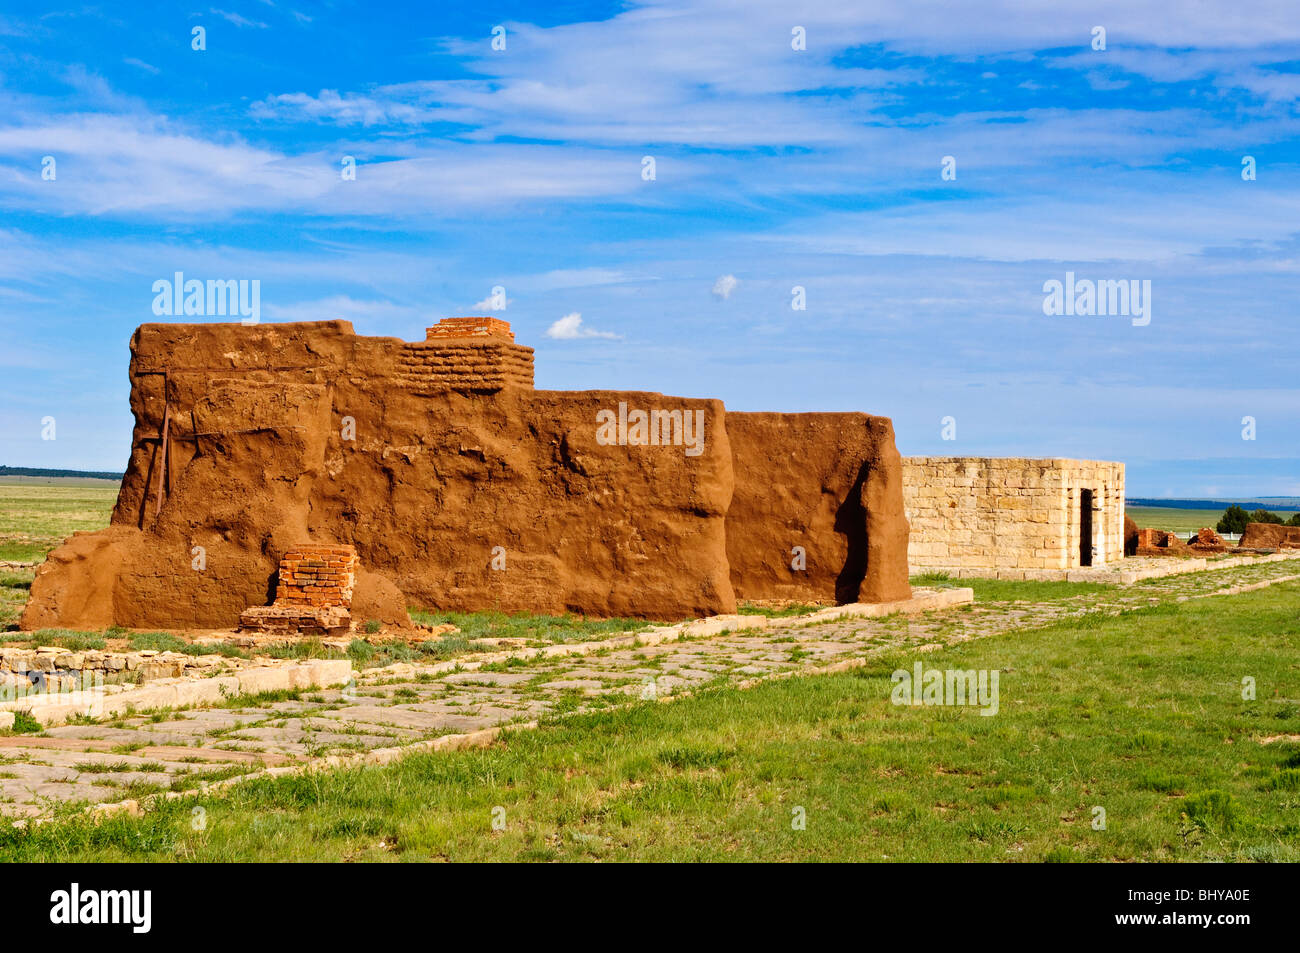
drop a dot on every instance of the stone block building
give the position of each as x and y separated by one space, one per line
1013 517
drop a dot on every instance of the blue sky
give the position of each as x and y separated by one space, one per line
774 168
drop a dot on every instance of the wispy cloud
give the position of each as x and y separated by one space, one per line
349 109
141 64
237 19
342 307
146 165
808 98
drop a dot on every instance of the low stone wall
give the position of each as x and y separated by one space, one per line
1124 572
58 666
1011 512
1157 542
51 707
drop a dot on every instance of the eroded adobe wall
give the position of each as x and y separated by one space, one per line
461 488
433 481
1270 536
582 527
830 485
1010 512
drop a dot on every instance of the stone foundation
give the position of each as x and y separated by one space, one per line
50 668
1207 541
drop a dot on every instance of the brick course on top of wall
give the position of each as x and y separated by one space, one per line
464 364
1010 512
466 354
469 327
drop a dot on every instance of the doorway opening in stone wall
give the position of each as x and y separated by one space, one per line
1085 528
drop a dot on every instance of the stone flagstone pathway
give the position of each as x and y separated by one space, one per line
403 704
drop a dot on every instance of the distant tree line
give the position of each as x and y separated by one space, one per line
37 472
1235 519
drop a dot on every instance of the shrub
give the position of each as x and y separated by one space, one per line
25 724
1234 520
361 651
1161 782
1212 807
157 642
166 642
1286 780
1062 855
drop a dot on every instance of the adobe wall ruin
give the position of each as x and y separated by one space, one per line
1013 512
462 488
1270 536
816 490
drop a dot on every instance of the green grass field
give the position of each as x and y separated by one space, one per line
1010 590
1141 715
1173 520
38 513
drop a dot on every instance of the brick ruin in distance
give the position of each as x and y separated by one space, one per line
461 487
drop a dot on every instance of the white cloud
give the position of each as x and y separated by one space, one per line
346 109
237 19
489 304
146 164
569 328
1125 219
724 286
137 163
695 84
